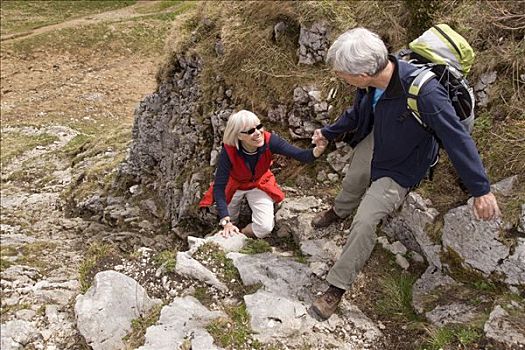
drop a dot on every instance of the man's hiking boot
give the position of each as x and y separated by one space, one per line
325 218
325 305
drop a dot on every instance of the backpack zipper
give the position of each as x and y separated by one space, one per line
449 40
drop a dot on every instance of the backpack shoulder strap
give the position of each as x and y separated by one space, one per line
421 76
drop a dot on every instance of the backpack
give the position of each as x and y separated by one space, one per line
442 53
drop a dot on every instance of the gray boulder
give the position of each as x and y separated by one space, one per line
294 217
191 268
477 242
182 320
278 275
16 334
105 312
410 226
504 328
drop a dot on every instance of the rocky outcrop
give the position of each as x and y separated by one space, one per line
313 43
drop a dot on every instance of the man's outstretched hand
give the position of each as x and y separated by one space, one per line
486 207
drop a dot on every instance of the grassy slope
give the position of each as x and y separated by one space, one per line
21 16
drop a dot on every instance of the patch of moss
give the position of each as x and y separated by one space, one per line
256 246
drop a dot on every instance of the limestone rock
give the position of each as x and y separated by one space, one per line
430 281
504 328
476 242
451 313
295 216
16 334
409 226
184 318
191 268
105 312
278 275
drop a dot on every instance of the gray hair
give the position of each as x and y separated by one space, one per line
236 123
358 51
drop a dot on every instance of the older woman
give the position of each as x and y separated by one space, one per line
244 170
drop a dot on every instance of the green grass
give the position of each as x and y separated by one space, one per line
95 253
143 37
158 7
396 297
166 258
31 253
4 264
256 246
21 16
233 332
14 144
76 145
226 268
139 326
444 337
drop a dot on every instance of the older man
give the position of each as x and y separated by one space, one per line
392 151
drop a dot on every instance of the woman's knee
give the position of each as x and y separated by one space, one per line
263 228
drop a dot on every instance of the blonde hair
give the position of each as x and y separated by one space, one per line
236 123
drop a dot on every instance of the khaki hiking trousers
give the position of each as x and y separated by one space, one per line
373 201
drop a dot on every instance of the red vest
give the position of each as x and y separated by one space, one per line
241 177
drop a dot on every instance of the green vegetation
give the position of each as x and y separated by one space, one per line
166 258
212 256
396 297
76 145
30 254
442 338
128 37
14 308
4 264
160 6
139 326
22 16
233 332
95 254
14 144
256 246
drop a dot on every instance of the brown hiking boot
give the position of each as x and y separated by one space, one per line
325 305
325 218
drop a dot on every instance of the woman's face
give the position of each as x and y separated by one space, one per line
252 136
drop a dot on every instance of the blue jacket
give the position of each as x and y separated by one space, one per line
403 149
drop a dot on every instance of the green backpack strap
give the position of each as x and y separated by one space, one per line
421 77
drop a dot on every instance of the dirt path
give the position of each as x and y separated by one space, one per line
107 17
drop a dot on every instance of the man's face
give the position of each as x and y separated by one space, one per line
361 81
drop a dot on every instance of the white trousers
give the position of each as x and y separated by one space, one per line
261 205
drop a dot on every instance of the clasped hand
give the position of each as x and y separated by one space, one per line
320 142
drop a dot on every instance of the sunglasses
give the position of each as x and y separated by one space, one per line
252 130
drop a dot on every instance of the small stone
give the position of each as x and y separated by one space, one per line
402 261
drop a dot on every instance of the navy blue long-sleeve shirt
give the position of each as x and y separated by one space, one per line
403 149
277 145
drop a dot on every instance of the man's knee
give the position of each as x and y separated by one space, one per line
365 228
